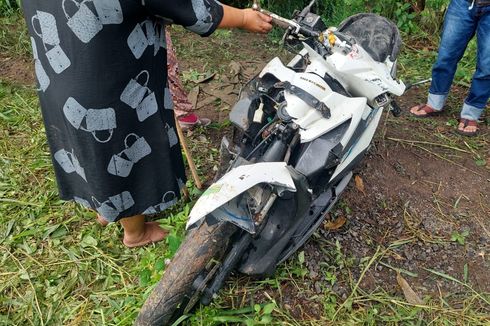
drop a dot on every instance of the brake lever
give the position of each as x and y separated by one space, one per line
276 19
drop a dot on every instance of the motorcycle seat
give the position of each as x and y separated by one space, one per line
377 35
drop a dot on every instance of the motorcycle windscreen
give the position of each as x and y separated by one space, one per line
234 183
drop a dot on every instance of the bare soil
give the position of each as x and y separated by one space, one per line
16 70
422 185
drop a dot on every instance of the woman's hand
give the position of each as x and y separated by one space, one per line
256 22
248 19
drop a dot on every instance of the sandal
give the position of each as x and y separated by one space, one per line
467 123
192 120
429 111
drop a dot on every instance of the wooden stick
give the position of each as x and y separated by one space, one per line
192 166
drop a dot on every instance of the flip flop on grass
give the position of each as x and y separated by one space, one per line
465 124
417 110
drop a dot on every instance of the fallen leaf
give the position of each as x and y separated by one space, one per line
235 69
359 184
396 256
230 89
336 224
249 73
408 292
193 96
206 101
205 78
88 241
226 94
224 108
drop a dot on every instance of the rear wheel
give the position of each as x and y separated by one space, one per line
186 274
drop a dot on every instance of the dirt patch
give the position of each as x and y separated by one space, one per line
18 70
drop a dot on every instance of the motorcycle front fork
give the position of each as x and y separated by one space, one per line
231 260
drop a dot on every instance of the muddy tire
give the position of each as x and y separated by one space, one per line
176 286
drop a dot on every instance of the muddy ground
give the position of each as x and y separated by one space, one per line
423 186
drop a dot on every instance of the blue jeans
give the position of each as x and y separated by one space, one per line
460 25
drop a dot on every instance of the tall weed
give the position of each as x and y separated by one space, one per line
7 7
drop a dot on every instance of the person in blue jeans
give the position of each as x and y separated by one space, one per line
463 20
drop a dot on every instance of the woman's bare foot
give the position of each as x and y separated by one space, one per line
101 220
152 232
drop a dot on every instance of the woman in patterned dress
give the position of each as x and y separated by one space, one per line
100 66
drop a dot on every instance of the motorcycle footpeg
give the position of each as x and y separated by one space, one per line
395 109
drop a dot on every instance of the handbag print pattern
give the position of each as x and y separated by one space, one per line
42 77
139 40
96 120
86 24
102 82
172 135
114 205
138 96
168 103
48 34
69 163
169 199
122 163
204 18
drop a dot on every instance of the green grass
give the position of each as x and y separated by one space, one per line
9 7
14 40
57 265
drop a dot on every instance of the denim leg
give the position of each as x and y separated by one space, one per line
480 85
458 29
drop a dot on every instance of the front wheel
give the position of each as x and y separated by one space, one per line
178 286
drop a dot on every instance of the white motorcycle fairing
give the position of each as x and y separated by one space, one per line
311 121
234 183
356 71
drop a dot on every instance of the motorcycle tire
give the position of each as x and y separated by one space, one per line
202 245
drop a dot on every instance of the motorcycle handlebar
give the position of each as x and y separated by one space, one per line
287 23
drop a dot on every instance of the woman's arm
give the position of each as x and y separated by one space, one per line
247 19
204 16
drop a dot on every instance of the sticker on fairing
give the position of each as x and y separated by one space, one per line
213 189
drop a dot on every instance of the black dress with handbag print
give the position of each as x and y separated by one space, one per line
102 84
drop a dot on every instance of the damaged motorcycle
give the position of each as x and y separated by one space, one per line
299 131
